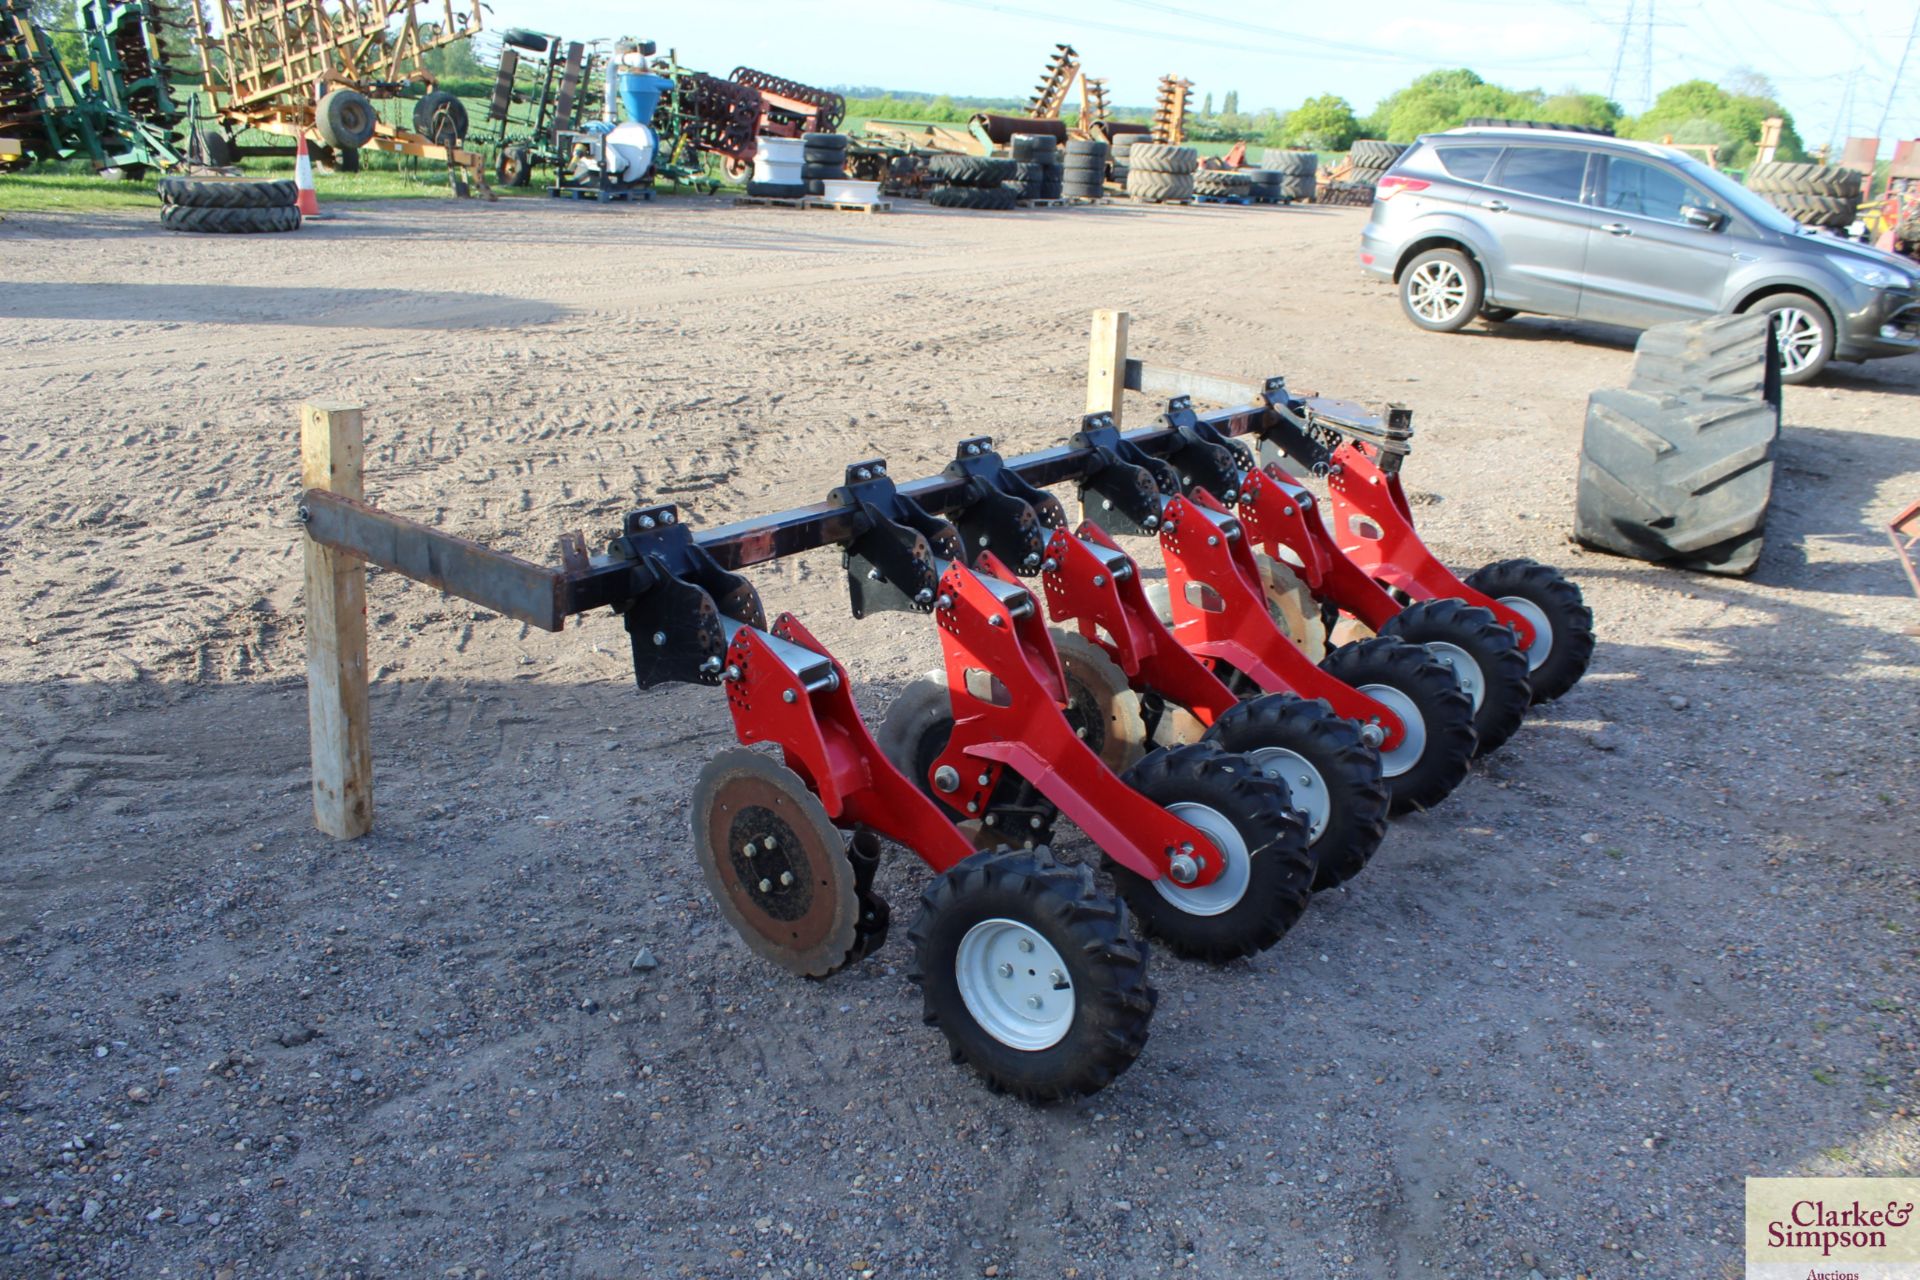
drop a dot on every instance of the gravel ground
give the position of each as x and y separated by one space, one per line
1661 941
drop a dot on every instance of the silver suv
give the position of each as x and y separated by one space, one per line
1491 221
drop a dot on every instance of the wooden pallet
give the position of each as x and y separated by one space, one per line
776 202
1042 204
1088 200
847 206
588 193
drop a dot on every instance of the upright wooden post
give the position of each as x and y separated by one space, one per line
1107 364
330 458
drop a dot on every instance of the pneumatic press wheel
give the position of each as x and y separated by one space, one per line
1562 624
1432 758
1032 974
1484 657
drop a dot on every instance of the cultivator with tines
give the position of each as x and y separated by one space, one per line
119 114
1056 81
1170 106
543 87
1220 772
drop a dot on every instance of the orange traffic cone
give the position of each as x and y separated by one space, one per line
309 199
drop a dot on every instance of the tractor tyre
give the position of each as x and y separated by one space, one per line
182 217
1032 974
1298 188
1722 356
1155 187
1220 182
777 190
1333 777
1156 157
826 142
998 199
1250 819
1685 481
190 194
1484 657
1782 178
1087 148
1432 759
345 119
1833 212
1373 154
1562 624
822 172
969 171
514 168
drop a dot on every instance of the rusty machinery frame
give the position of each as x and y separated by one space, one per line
272 59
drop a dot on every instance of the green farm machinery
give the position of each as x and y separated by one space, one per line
119 113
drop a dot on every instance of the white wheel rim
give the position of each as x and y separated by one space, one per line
1014 984
1414 744
1437 291
1309 788
1466 672
1800 338
1536 617
1224 893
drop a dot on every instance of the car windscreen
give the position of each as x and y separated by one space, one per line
1554 172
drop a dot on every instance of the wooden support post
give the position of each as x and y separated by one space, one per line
1107 363
330 458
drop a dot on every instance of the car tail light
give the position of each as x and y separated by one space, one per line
1393 184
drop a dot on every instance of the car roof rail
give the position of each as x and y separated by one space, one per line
1491 122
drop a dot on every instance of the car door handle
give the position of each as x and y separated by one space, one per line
1497 206
1617 229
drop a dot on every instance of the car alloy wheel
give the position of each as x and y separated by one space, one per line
1437 291
1800 338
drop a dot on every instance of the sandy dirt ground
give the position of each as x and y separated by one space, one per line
1661 941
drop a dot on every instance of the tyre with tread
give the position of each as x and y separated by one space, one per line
1681 480
1833 212
1372 153
1333 777
1721 356
1482 653
1441 290
1154 187
1425 768
1563 625
777 190
442 117
1250 817
997 199
822 172
969 171
180 217
345 119
194 194
1220 182
1094 1000
1784 178
1158 157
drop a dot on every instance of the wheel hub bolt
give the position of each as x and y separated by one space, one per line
766 886
1025 944
1058 978
1006 971
1033 1002
750 848
786 879
1034 822
1183 869
946 778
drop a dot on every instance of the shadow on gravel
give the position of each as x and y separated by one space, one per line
258 304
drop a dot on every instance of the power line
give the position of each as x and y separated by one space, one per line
1898 70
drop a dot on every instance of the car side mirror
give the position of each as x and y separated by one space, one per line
1710 219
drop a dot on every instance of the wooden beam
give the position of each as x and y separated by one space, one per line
330 458
1107 363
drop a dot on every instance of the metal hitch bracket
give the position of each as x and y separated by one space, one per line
892 561
1002 512
679 600
1122 481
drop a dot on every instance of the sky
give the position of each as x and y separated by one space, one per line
1833 61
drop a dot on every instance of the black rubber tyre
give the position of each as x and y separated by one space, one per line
180 217
344 119
1220 182
1686 481
514 167
1563 650
1157 157
1333 777
829 159
1304 164
1105 972
826 142
777 190
822 172
915 732
1783 178
1834 212
1083 166
442 117
1087 148
217 149
1030 147
1483 655
1422 773
1159 188
1264 840
1497 315
1441 290
191 194
1030 178
1721 356
1298 188
969 171
1373 154
994 198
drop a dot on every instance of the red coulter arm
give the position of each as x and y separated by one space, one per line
1008 695
824 741
1220 612
1373 526
1091 581
1278 513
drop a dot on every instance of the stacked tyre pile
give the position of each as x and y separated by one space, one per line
1036 165
1369 161
1122 155
1161 174
1286 176
1084 176
1816 195
823 159
229 207
1223 184
779 169
1678 465
972 182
